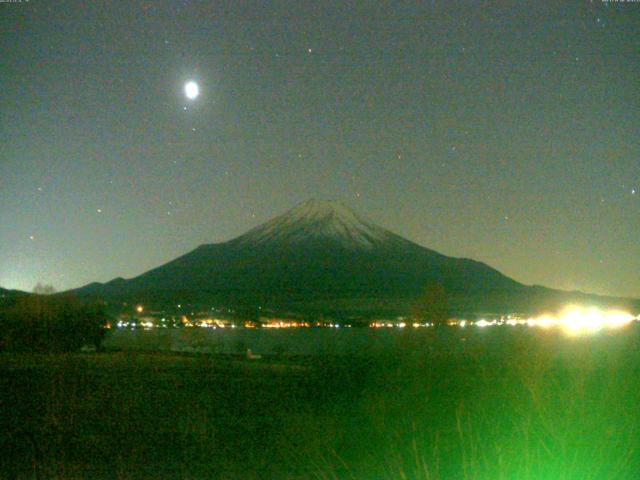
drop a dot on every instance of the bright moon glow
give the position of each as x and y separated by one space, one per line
191 90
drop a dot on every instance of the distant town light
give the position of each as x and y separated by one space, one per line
577 320
573 320
139 309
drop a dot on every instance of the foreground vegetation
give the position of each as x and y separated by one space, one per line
500 404
44 323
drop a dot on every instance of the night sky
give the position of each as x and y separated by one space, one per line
504 132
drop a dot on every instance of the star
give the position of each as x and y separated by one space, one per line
31 237
99 210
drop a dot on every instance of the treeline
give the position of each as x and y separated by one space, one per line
39 323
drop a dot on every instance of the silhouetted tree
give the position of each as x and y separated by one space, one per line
44 289
51 324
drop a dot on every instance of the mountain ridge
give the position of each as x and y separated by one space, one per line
322 253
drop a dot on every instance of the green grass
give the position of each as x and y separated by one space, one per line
500 404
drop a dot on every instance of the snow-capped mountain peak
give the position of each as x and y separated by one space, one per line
318 220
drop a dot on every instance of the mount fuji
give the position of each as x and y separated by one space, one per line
322 257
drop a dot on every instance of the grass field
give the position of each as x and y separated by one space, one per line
503 404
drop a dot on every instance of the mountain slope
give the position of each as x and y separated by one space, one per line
327 221
314 257
7 296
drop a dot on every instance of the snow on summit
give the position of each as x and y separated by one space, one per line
319 220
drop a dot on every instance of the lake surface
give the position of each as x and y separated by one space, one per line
294 341
342 341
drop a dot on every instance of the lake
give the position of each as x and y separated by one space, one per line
338 341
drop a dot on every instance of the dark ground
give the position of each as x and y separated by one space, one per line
505 404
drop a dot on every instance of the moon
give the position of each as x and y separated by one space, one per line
191 90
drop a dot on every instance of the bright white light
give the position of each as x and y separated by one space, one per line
576 320
617 319
191 90
573 320
545 321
